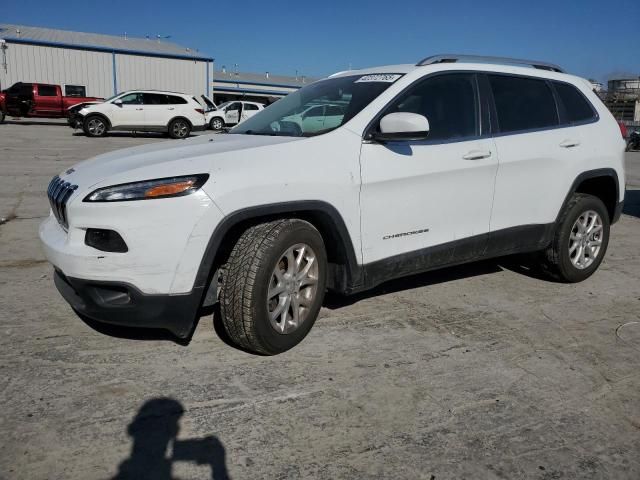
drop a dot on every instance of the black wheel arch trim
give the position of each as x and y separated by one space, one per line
586 175
350 278
179 118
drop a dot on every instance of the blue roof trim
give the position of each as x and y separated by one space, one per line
244 90
95 48
261 84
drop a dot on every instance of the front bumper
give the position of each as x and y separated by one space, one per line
122 304
75 120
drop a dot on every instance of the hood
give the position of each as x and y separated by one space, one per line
164 159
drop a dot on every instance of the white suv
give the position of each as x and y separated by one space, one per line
448 161
143 111
232 113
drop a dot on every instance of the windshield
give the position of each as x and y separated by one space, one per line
114 96
318 108
223 105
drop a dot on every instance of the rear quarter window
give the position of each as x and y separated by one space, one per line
576 107
175 100
523 103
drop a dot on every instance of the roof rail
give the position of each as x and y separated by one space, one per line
452 58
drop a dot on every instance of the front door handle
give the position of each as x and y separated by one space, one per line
139 109
477 155
171 108
569 143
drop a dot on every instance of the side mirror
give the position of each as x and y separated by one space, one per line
401 126
117 102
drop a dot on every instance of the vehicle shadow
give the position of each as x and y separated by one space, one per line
632 203
80 133
335 301
37 122
155 447
131 135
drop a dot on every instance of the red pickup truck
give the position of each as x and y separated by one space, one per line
38 100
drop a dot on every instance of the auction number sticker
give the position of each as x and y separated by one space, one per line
379 77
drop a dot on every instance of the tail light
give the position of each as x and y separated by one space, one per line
200 110
623 129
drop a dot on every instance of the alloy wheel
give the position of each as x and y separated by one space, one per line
95 127
585 240
293 286
180 129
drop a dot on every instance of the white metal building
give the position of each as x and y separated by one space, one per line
99 65
254 86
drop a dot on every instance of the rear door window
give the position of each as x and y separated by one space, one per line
576 107
47 90
154 99
523 103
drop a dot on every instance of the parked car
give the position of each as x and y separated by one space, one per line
317 117
37 100
634 141
448 161
232 113
142 111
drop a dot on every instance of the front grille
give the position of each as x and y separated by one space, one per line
59 192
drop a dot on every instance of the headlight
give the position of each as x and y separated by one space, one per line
149 189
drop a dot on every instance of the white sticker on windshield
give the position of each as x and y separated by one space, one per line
379 77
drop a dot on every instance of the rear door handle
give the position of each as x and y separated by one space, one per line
171 108
139 108
477 155
569 143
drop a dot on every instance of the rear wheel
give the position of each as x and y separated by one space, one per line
179 128
2 116
216 123
95 126
273 285
580 241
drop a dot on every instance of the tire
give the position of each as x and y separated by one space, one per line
2 116
179 128
216 124
250 275
562 259
95 126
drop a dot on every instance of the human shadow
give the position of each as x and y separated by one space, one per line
156 449
632 203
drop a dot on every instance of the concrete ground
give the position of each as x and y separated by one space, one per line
476 372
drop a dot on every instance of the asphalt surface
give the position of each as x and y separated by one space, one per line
477 372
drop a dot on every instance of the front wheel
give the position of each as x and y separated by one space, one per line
95 126
273 285
580 241
216 124
179 128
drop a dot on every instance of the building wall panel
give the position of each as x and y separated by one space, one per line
139 72
32 63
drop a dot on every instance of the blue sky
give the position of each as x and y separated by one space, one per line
318 38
